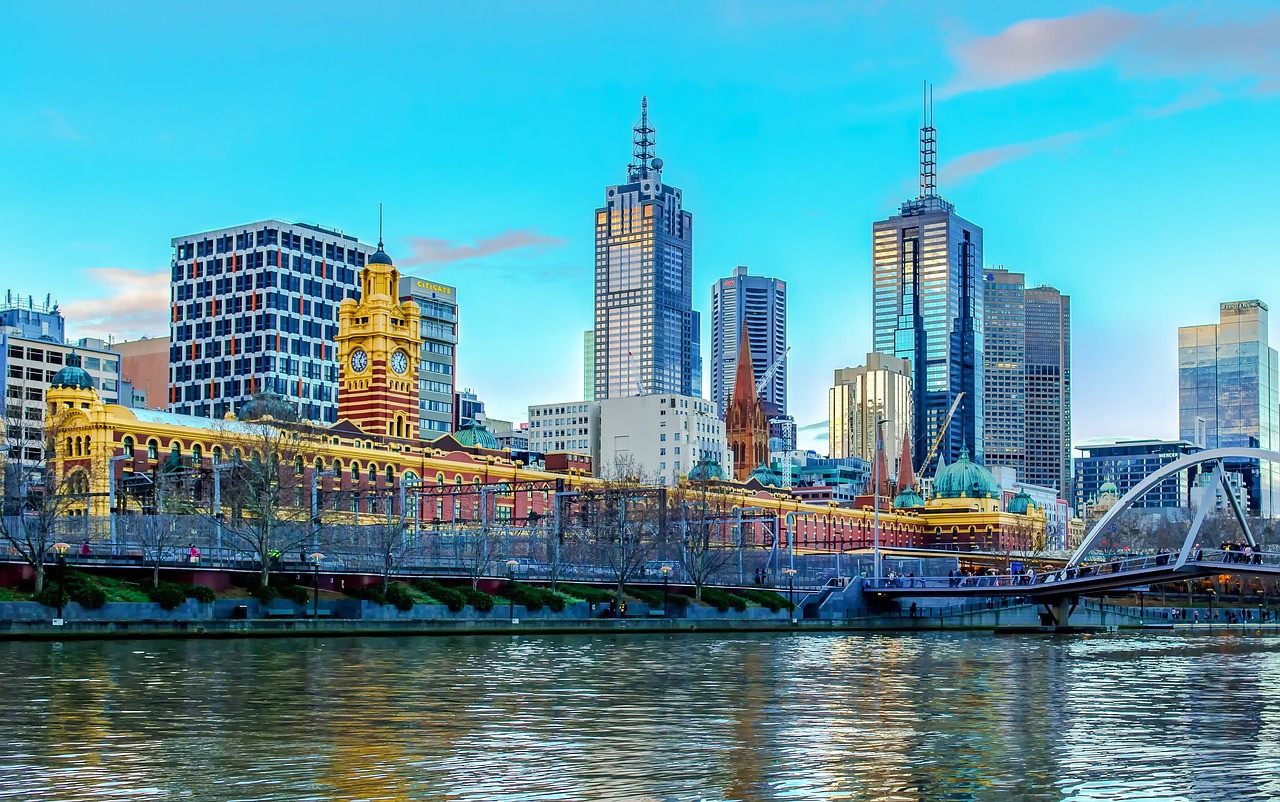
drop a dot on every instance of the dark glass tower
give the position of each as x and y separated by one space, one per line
647 337
927 286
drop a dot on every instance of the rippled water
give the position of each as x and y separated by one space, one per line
778 717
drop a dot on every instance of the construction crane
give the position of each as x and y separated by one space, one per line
937 441
784 464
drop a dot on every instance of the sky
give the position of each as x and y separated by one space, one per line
1121 153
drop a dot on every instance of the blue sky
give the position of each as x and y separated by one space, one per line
1120 153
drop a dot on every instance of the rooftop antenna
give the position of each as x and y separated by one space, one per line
379 225
928 147
643 141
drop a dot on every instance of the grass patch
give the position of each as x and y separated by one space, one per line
11 595
118 590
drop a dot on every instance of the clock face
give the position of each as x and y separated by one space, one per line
399 362
359 360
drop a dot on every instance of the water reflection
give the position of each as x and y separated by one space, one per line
682 718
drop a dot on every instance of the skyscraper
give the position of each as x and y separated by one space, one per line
927 287
759 303
1229 393
255 308
589 365
878 390
1048 388
647 337
438 366
1004 382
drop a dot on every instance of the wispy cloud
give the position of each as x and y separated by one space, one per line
434 251
1159 44
137 303
980 161
820 426
59 128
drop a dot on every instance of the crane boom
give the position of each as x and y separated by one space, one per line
937 441
772 371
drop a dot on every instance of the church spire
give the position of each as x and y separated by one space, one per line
744 382
906 477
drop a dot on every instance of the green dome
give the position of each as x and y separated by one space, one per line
1021 504
268 405
706 470
908 499
1109 487
475 435
766 475
965 479
73 378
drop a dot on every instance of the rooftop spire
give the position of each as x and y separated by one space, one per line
906 477
928 147
379 225
643 143
744 381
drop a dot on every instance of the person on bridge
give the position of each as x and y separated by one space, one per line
194 554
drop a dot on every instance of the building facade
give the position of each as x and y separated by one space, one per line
468 408
144 364
928 308
878 390
1123 464
1004 379
438 364
759 304
1229 394
647 336
567 426
254 308
1048 390
665 436
589 365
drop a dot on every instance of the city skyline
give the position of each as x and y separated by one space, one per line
106 177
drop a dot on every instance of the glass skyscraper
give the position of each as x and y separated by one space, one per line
760 302
647 337
927 285
1004 381
1048 417
1229 394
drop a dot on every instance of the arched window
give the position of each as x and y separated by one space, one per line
373 473
153 449
355 471
217 453
319 464
457 480
439 480
197 455
297 466
391 475
70 447
126 445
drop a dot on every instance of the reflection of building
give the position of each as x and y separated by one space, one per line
760 304
927 287
746 429
666 435
438 363
647 336
145 365
1127 462
1229 394
881 389
255 309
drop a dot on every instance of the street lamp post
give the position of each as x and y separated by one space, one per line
61 550
791 600
315 558
511 582
315 506
666 576
218 468
111 497
875 480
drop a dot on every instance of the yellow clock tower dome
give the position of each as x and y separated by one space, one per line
379 340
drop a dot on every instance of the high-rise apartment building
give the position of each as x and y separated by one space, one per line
567 426
759 303
927 288
647 336
1048 389
1004 380
663 436
438 307
878 390
254 309
1229 394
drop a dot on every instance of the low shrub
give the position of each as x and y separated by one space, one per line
49 596
534 598
649 596
480 600
296 594
85 591
679 600
202 594
399 596
723 600
449 597
372 593
588 593
767 598
168 595
265 594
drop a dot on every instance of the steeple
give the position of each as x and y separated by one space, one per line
744 382
906 477
882 469
643 145
746 428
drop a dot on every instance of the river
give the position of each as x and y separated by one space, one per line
652 717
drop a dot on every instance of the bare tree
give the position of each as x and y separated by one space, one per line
44 497
700 512
627 521
266 490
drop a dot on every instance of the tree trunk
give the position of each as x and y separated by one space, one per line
155 573
697 592
619 595
39 577
264 578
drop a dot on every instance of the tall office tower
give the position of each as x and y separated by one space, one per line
1004 380
254 309
1229 394
759 303
589 365
438 306
1048 388
927 285
878 390
647 337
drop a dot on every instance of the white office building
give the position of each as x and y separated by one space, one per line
666 435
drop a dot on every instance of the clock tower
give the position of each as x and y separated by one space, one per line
379 342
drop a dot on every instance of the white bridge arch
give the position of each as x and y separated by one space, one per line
1216 457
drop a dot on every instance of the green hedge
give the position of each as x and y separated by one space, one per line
399 596
296 594
767 598
534 598
483 602
371 593
169 596
202 594
588 593
723 600
79 588
449 597
649 596
265 594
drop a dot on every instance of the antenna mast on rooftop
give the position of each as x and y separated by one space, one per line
644 141
928 147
